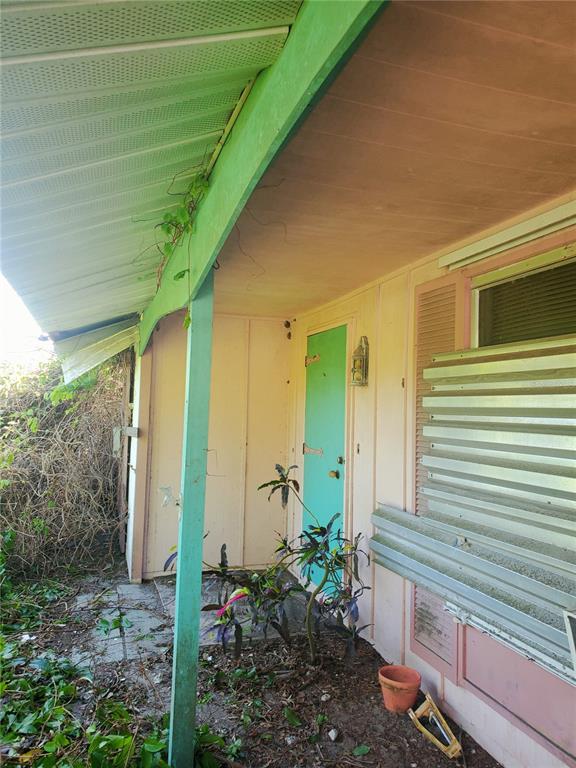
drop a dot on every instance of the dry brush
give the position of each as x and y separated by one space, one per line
58 475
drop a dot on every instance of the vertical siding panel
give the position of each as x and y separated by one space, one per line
224 521
267 408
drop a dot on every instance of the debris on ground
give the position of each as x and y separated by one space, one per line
270 709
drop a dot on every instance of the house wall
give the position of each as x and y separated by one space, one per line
247 436
138 466
502 710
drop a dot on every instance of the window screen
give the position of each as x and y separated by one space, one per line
534 306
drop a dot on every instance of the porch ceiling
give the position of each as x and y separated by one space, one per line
450 119
107 107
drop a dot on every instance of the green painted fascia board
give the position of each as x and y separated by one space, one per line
321 38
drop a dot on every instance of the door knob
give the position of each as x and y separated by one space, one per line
334 473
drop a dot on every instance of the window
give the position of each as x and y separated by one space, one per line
495 493
536 305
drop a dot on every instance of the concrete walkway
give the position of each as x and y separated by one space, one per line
134 621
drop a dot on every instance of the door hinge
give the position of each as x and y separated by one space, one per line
314 451
309 359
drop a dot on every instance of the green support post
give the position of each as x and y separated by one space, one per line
191 533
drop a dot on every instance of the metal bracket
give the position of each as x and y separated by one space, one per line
313 451
450 746
117 434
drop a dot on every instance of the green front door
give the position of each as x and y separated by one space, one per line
325 427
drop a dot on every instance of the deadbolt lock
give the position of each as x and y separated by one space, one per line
334 473
340 460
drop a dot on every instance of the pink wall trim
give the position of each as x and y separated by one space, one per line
521 252
534 700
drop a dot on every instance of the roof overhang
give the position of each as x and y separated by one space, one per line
109 111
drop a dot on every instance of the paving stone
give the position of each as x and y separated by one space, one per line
166 589
81 658
96 599
147 634
138 595
109 650
149 609
99 648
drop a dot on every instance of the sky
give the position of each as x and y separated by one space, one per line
19 331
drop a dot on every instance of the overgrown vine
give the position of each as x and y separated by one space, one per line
179 222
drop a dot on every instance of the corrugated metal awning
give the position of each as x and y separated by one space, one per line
82 352
108 109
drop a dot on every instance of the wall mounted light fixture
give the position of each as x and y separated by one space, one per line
359 371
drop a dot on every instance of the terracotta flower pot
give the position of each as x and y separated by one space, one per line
400 686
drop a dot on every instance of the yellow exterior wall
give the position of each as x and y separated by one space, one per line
247 437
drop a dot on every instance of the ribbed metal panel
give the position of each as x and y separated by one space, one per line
107 23
83 352
108 109
525 604
498 491
504 426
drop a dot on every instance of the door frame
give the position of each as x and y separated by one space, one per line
310 328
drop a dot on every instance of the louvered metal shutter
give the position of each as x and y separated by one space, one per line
534 306
435 332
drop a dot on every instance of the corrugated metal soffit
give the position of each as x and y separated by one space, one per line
109 110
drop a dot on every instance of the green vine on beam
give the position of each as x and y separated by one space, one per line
179 222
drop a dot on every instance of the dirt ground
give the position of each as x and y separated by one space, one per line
250 702
272 705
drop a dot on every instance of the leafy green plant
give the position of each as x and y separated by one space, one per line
63 393
209 745
283 483
105 626
323 554
40 691
291 717
329 565
264 592
179 222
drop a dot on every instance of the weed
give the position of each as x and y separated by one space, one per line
291 717
106 626
40 692
206 698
